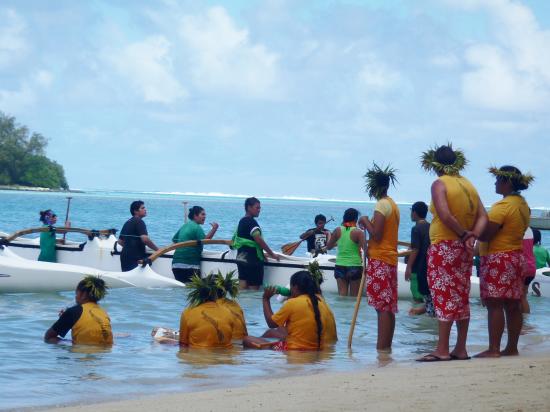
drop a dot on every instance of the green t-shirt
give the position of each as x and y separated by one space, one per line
541 256
47 247
188 255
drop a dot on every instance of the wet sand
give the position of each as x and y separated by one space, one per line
505 384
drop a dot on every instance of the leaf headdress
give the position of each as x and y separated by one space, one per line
429 162
94 286
377 180
228 284
524 180
316 273
202 290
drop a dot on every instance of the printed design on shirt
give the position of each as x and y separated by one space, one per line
239 318
467 193
215 324
105 333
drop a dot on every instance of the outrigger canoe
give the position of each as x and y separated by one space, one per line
100 253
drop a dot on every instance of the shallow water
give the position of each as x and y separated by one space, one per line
33 373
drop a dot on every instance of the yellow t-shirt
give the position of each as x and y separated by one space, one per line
386 249
93 327
236 311
329 334
208 325
463 201
512 215
299 319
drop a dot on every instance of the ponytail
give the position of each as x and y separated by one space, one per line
306 285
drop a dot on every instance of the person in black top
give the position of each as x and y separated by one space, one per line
317 237
417 264
133 237
250 246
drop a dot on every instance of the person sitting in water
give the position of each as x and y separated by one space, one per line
349 262
228 285
187 260
204 323
134 237
304 322
48 240
542 257
88 322
317 237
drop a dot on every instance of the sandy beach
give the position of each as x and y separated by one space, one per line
506 384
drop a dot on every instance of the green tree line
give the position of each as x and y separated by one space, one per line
23 158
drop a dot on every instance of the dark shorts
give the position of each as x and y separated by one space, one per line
348 273
128 263
527 280
185 275
252 274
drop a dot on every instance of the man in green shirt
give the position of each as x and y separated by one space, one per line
542 256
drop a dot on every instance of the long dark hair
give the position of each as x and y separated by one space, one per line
307 286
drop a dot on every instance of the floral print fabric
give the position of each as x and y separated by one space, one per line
501 275
381 286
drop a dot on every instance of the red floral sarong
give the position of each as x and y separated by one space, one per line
382 286
280 346
449 271
501 275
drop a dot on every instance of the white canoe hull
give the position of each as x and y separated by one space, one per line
18 274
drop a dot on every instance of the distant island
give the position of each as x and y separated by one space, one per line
23 161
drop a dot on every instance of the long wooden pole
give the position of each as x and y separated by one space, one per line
358 300
185 211
67 216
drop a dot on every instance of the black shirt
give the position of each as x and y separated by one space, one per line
134 248
317 239
67 320
247 225
420 240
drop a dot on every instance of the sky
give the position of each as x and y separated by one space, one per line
279 98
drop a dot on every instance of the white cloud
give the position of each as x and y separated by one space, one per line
12 40
513 72
376 76
43 78
148 67
446 61
224 59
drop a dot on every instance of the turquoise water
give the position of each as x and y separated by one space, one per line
33 373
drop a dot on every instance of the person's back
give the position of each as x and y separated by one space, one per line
207 325
542 257
348 252
237 313
298 317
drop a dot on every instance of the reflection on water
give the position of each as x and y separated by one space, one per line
35 373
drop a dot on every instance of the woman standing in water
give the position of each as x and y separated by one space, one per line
250 244
349 261
458 219
381 271
88 322
501 265
48 239
187 260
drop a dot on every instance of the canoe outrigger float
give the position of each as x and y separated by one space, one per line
102 253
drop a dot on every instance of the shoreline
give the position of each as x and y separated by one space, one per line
19 188
505 384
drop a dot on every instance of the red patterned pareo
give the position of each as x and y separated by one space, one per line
382 286
280 346
501 275
449 271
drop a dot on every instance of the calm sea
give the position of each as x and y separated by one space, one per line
33 373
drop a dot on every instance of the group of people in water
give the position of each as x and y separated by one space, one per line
440 266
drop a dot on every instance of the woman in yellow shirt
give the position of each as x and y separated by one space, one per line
88 322
229 285
304 322
458 219
381 271
501 267
204 323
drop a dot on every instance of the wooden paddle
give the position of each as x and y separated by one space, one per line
357 304
289 248
67 216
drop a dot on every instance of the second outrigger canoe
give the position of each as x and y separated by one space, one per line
99 252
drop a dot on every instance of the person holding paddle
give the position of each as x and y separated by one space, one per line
381 271
458 219
317 237
349 262
187 260
48 239
250 244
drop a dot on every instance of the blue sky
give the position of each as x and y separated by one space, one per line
279 97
